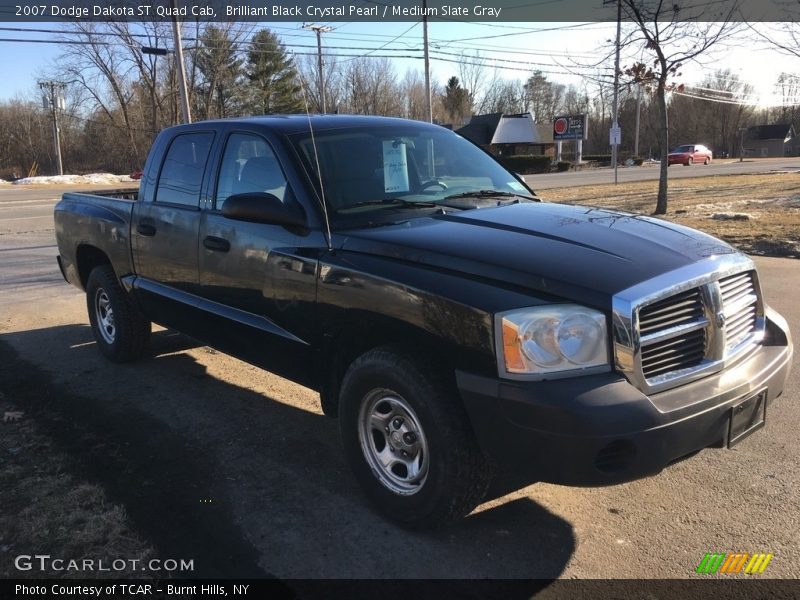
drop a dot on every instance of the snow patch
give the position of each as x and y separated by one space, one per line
92 178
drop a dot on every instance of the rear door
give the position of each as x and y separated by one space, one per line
262 277
165 232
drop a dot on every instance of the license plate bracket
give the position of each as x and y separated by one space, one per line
747 417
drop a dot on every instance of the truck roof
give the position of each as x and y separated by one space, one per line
289 124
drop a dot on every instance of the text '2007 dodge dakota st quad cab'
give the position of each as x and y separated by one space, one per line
450 320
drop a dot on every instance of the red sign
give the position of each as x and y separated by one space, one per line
569 127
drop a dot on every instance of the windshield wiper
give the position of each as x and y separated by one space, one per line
486 194
389 202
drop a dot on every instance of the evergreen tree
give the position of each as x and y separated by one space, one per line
455 101
220 68
272 80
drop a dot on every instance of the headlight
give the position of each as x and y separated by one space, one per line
549 339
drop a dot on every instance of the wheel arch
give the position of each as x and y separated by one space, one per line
358 333
87 258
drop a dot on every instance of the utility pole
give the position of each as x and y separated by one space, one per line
615 131
54 99
638 118
742 131
176 32
428 100
319 30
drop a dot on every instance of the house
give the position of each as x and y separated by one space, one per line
771 141
507 135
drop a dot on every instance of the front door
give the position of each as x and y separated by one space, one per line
262 276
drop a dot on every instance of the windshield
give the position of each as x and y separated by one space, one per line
684 149
380 168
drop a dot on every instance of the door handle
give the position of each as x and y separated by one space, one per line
216 244
146 229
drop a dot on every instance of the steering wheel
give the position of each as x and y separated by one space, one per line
433 182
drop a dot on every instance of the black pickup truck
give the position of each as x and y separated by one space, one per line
452 322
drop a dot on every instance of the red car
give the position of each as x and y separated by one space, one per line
689 154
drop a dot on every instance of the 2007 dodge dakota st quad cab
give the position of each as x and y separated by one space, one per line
449 319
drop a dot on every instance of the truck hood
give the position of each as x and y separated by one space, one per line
579 253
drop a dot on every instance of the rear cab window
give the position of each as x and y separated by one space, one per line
182 171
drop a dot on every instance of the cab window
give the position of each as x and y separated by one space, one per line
184 165
249 165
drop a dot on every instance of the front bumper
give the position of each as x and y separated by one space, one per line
601 430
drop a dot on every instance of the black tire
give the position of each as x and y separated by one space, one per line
120 331
689 162
456 476
707 161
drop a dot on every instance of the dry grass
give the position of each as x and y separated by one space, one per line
47 509
771 203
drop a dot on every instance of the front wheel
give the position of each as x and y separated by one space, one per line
120 331
408 440
689 162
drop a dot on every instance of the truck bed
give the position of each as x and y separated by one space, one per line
98 220
131 193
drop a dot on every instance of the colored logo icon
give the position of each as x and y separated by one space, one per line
737 562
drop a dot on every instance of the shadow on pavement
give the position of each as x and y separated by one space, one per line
246 484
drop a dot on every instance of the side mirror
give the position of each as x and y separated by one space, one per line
261 207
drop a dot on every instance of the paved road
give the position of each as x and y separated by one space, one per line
27 241
193 424
651 172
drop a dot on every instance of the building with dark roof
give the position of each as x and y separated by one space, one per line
763 141
507 135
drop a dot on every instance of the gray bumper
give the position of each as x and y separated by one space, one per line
601 430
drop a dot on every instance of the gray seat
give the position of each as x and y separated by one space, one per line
261 174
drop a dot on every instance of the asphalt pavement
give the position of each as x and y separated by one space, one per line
204 426
651 172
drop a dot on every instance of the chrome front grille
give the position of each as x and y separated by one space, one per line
740 307
687 323
675 311
685 351
672 334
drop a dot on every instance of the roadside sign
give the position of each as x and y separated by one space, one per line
569 127
615 135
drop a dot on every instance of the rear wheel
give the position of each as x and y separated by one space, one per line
707 161
408 440
120 331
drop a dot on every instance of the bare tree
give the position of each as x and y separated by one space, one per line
472 72
156 35
100 66
544 98
308 70
671 36
784 36
412 93
25 136
372 87
504 96
788 88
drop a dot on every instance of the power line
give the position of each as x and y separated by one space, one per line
446 43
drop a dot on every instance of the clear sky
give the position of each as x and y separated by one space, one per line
558 49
